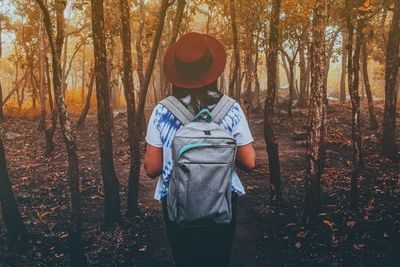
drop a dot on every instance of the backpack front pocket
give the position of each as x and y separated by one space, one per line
204 193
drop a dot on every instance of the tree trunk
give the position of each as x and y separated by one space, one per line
291 88
111 185
389 148
49 83
303 76
236 55
316 114
64 74
177 21
342 92
256 79
83 73
373 123
49 133
1 89
77 257
269 135
42 91
18 238
248 72
136 137
133 208
85 110
354 69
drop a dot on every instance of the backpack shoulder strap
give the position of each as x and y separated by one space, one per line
222 108
177 109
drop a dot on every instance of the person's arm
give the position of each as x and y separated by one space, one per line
153 161
246 157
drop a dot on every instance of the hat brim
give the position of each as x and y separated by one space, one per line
213 73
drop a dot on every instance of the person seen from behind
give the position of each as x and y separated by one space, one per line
195 139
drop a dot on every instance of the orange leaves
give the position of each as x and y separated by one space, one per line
328 223
366 6
351 224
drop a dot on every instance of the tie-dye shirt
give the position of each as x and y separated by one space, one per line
163 126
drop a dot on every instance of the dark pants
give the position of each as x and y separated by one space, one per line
201 246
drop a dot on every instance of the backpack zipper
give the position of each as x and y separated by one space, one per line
191 146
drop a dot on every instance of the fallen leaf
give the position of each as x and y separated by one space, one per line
359 247
351 224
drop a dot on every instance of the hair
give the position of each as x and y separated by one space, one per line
199 97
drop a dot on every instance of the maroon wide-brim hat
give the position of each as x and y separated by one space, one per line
194 61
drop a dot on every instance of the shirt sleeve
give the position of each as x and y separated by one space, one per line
153 135
241 131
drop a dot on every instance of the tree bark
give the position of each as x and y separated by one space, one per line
388 144
354 70
77 256
127 79
111 185
373 123
257 88
1 89
42 91
236 55
49 83
303 76
342 92
269 134
248 72
85 111
83 72
177 21
133 188
18 237
316 114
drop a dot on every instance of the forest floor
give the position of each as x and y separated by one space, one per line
268 233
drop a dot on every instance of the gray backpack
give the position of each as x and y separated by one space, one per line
203 154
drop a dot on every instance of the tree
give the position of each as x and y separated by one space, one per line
388 142
1 51
373 123
18 237
316 113
42 92
130 106
133 183
342 92
85 111
269 135
353 64
112 210
236 55
77 257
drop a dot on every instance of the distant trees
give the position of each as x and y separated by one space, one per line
391 71
112 211
317 113
18 237
269 135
